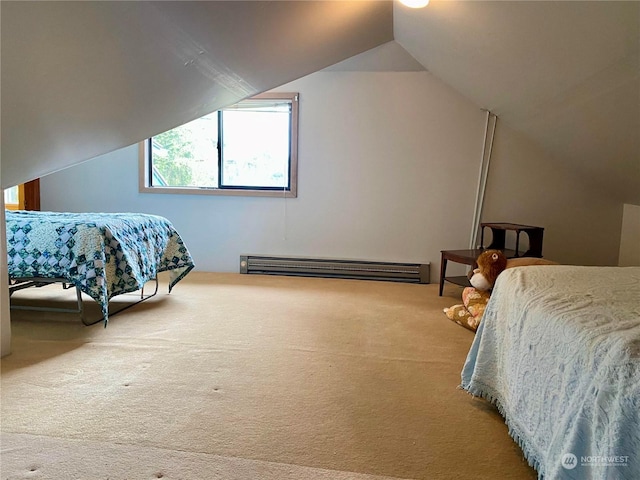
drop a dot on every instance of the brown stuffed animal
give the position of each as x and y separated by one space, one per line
469 313
490 264
474 300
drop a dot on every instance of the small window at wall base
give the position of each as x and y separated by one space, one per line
250 148
25 196
12 198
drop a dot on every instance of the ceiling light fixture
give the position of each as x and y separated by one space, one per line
415 3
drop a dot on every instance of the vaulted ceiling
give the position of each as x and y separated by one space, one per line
83 78
80 79
566 73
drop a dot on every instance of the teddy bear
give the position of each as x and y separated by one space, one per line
475 298
469 313
490 264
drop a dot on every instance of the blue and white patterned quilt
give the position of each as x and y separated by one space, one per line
103 254
558 352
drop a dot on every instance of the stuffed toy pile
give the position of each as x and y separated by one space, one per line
475 298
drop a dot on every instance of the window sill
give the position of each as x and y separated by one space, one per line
219 191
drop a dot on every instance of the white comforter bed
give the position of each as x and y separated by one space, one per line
558 352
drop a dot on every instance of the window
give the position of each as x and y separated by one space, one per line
12 198
249 148
25 196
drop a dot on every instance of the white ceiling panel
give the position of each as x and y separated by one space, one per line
80 79
566 73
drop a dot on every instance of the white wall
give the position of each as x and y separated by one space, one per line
526 185
382 159
388 166
630 237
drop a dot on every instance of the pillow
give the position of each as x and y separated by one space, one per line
525 261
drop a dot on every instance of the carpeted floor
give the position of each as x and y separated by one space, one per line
251 377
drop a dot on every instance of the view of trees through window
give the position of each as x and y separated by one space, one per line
187 156
244 146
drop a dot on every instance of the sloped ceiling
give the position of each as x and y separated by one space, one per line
566 73
83 78
390 57
80 79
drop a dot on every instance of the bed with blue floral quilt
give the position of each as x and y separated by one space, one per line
101 254
558 353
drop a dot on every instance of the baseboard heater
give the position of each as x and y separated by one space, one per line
335 268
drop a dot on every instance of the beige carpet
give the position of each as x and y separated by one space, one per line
251 377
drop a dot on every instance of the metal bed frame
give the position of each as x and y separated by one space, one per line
16 284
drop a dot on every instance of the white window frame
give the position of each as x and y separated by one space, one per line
292 192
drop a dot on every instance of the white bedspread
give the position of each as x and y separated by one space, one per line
558 352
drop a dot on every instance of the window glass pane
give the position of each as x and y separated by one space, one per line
187 156
11 196
256 147
257 153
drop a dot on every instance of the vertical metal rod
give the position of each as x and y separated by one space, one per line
476 219
485 174
80 304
